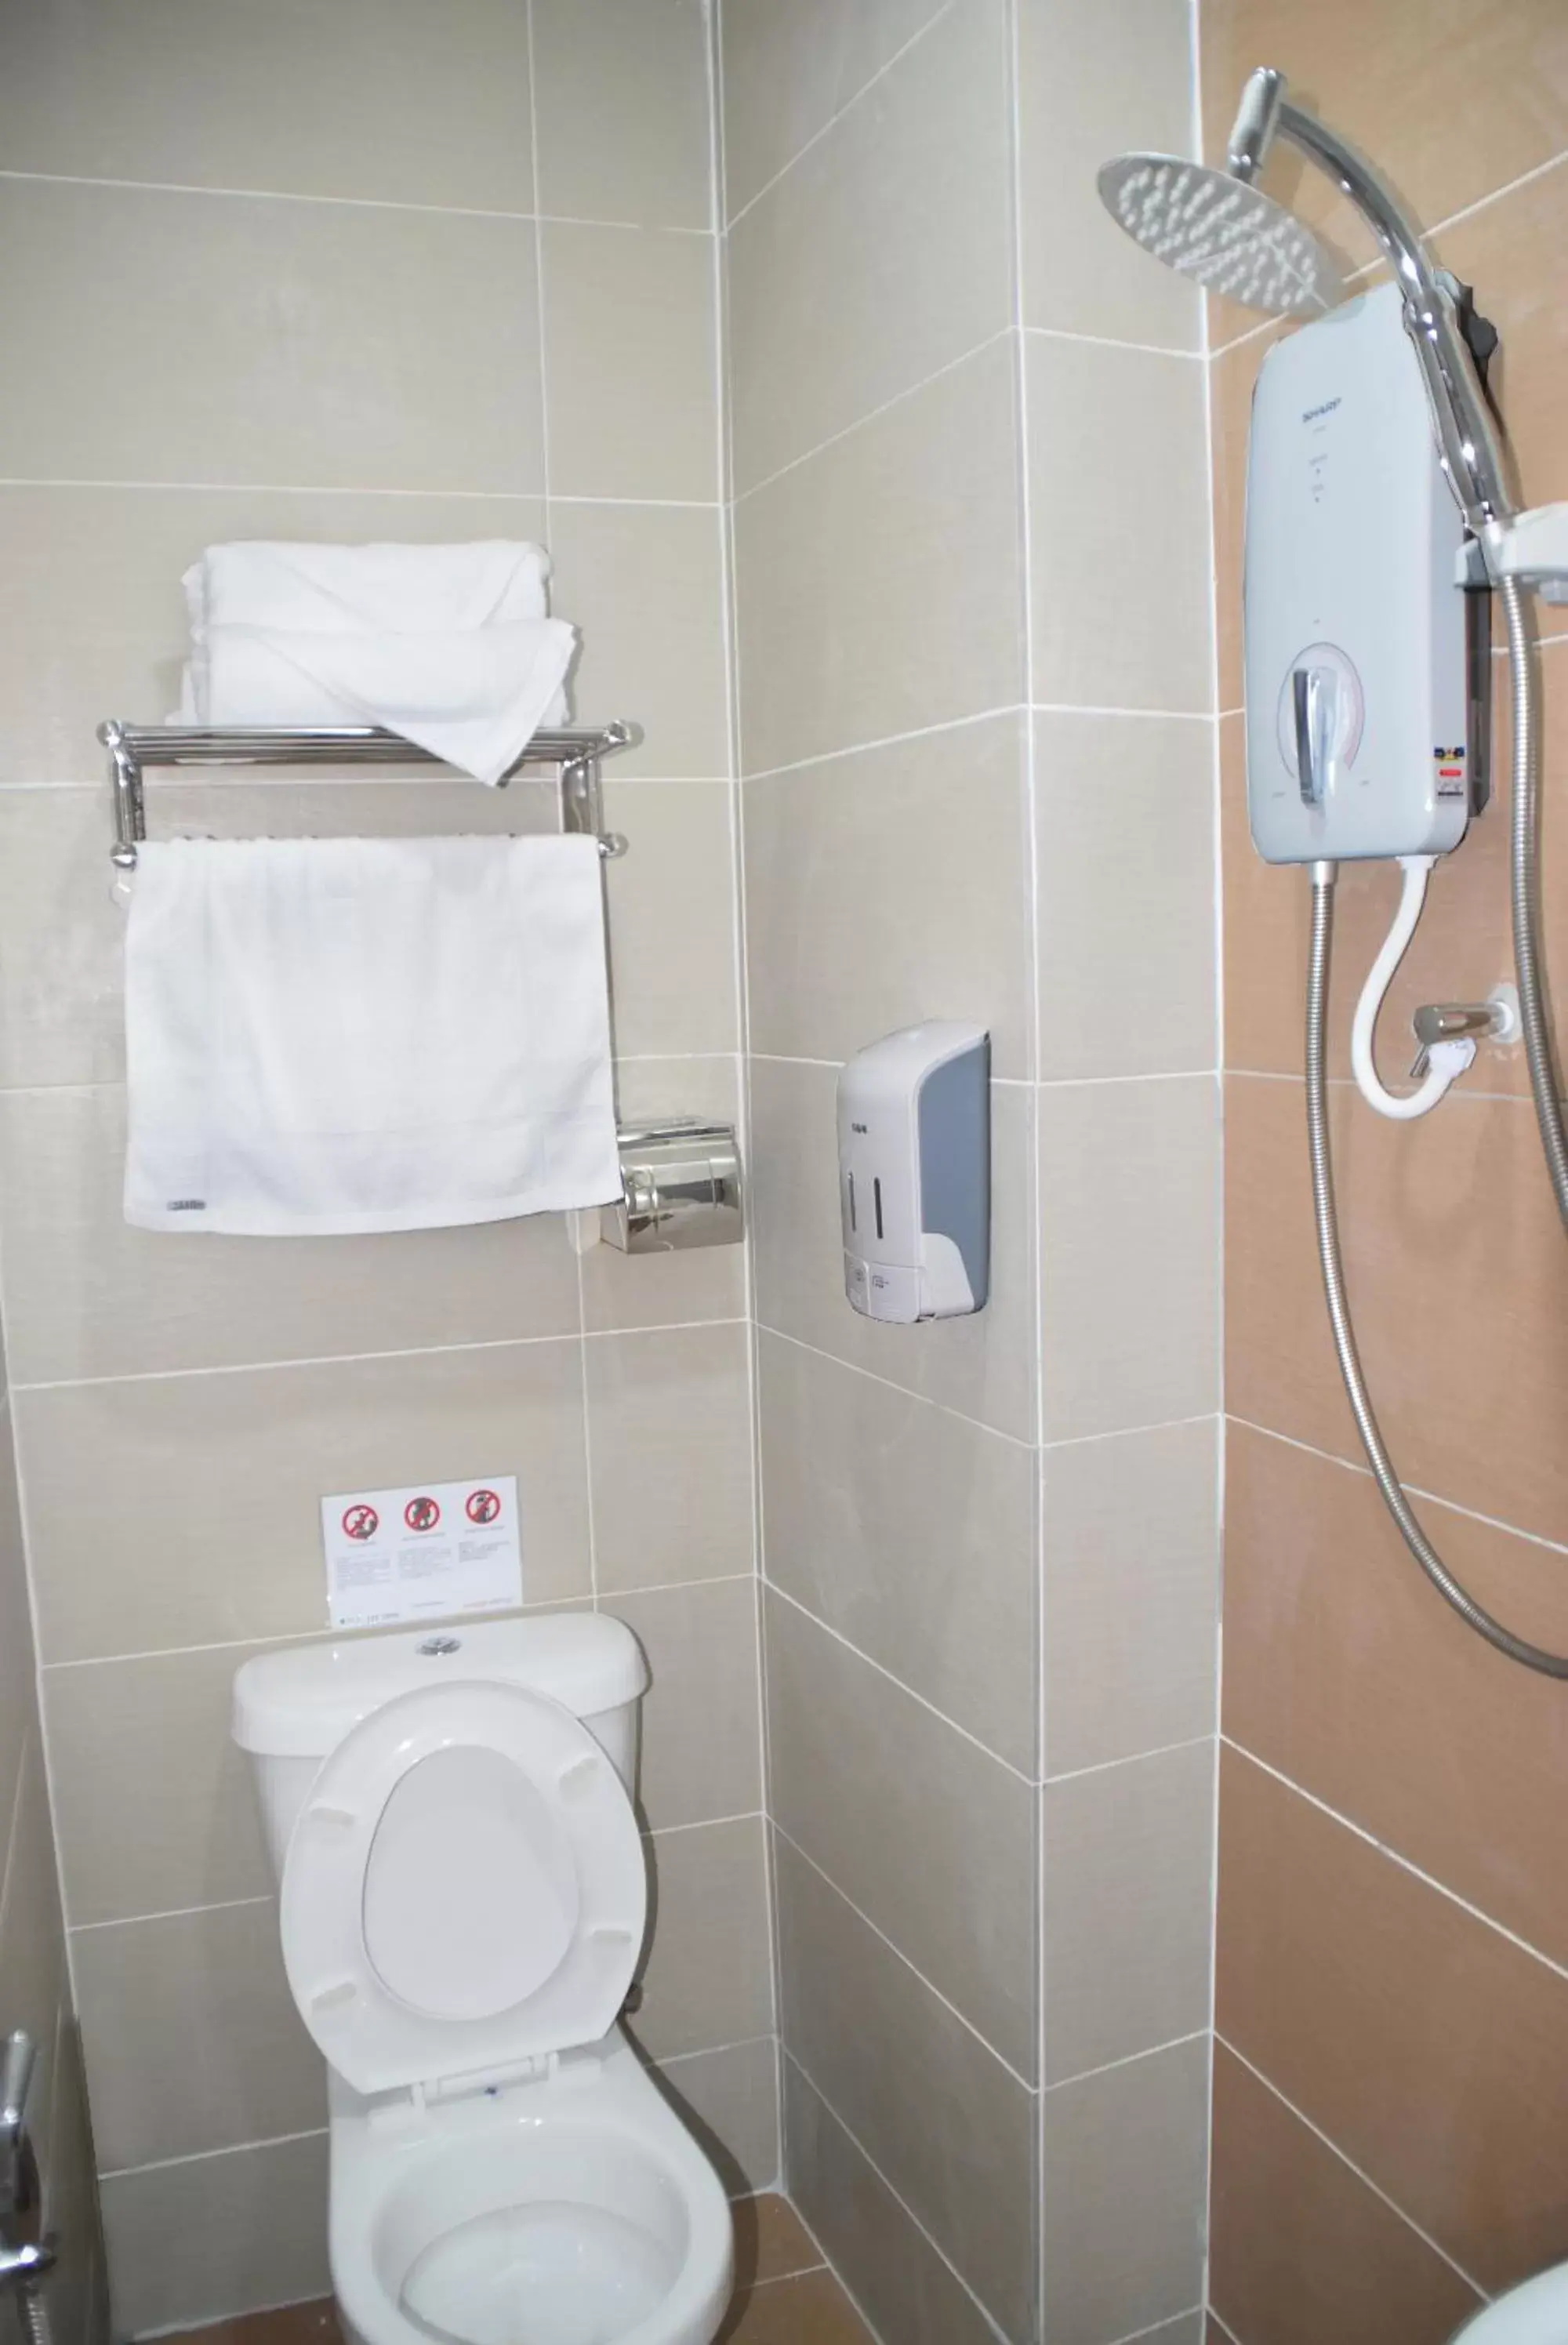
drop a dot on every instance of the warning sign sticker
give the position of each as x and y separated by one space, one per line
427 1552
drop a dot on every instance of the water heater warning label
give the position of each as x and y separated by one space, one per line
424 1553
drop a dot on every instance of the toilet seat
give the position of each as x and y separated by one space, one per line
465 1891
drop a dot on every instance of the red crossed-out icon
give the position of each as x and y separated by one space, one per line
361 1523
482 1505
422 1513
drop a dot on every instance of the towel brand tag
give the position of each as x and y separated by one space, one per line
185 1205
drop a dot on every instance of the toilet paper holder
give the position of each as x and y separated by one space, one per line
680 1182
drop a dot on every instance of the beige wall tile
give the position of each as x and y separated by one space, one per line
1395 83
223 1477
883 885
701 1754
77 2305
982 1365
1302 2249
911 195
397 105
790 66
190 2242
1131 1593
193 2037
155 1807
1468 1183
69 660
88 1295
33 1977
1130 1860
1094 82
652 1290
932 1839
621 111
643 585
1339 1976
946 2125
707 1975
404 356
18 1710
670 1441
670 915
1124 855
620 428
855 620
1118 525
909 1530
887 2260
1129 1192
728 2098
1124 2159
1345 1672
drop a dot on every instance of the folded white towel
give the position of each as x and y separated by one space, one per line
367 589
346 1035
447 644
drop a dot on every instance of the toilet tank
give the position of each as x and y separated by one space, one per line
293 1706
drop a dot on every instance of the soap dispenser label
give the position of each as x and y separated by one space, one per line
424 1553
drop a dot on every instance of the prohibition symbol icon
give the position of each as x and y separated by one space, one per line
422 1513
361 1523
482 1505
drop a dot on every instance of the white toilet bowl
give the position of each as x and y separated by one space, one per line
463 1904
1535 2313
567 2211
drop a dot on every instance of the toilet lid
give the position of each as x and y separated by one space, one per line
464 1891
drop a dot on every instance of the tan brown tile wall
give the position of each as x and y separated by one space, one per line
1389 2138
392 292
971 787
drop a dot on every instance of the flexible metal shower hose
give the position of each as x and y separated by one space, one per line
1518 1648
1525 889
32 2315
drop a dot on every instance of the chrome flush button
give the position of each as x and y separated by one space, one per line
435 1647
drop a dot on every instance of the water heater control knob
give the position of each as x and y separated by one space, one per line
1320 718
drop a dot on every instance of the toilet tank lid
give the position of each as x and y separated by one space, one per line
301 1700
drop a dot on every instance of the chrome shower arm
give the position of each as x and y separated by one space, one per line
1466 433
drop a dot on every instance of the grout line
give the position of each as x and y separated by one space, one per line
355 1360
853 1367
1428 1497
229 2149
1128 2060
1114 342
884 407
882 741
1155 2327
1104 1082
1092 708
913 1968
233 488
1223 2326
848 107
1359 2172
1510 187
1385 1848
1128 1432
896 2196
327 1635
710 2052
882 1670
172 1913
705 1824
355 203
1128 1759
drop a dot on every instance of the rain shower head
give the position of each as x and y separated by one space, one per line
1223 234
1218 228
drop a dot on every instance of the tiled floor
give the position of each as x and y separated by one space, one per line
785 2295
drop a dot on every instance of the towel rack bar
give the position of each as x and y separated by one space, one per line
576 751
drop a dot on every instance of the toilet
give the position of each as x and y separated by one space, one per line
1535 2313
464 1896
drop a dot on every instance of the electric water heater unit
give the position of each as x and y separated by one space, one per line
915 1172
1366 723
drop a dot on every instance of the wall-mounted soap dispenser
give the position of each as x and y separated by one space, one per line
915 1172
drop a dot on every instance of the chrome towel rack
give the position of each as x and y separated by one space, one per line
578 752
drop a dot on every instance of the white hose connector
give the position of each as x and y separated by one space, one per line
1449 1060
